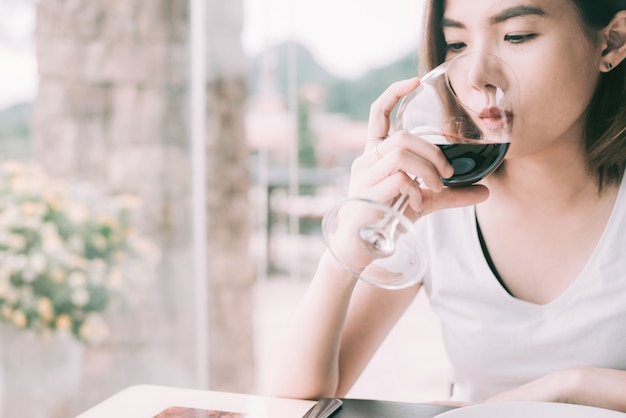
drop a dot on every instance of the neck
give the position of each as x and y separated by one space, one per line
555 179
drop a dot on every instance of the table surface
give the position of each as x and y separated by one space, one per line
150 400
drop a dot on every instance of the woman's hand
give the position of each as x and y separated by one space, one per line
552 387
380 173
592 386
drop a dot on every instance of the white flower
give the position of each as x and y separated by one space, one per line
49 230
19 319
57 275
77 212
16 262
5 288
50 238
6 312
16 242
26 298
32 222
116 279
36 273
4 234
29 276
9 293
99 241
38 263
45 308
30 208
76 279
76 243
94 330
96 271
127 201
80 297
63 322
12 167
19 185
11 216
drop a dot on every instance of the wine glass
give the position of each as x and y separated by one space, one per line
465 107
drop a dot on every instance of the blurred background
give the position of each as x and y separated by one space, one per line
164 167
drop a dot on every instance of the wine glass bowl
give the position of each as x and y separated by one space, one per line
465 107
461 108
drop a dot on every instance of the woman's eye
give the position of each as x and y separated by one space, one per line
455 47
519 39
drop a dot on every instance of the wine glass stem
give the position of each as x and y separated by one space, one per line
390 222
381 236
402 202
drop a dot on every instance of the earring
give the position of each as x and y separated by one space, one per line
609 66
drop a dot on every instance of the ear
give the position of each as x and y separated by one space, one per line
614 42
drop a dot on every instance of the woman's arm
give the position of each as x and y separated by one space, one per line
341 322
337 328
592 386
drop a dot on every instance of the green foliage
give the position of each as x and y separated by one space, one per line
15 129
15 121
354 97
280 59
306 137
62 254
346 96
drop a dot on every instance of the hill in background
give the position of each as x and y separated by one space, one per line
15 131
346 96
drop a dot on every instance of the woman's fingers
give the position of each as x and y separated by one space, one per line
399 147
408 152
381 172
398 163
423 200
394 185
380 109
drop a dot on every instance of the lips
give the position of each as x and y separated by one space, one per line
496 118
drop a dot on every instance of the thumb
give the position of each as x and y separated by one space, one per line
452 197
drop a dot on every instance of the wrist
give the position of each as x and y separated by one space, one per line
331 269
567 384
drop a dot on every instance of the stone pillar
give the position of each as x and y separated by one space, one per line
113 110
231 269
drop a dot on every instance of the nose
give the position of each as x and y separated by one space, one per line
478 79
483 73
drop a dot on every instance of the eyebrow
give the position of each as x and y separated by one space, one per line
518 11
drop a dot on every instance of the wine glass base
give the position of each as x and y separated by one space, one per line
374 243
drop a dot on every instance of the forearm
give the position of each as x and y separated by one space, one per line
600 387
305 361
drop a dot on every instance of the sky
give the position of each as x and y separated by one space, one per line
18 66
347 37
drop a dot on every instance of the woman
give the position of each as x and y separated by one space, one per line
532 291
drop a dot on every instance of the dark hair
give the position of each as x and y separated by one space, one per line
606 119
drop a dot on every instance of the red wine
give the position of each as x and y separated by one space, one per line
472 162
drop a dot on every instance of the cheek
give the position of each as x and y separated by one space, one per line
553 101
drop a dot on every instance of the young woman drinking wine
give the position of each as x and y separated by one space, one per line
527 268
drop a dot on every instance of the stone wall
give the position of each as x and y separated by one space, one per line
113 110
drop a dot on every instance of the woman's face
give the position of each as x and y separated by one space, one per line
556 64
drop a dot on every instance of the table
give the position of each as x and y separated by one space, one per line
147 401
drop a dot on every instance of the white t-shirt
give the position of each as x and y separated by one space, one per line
496 342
